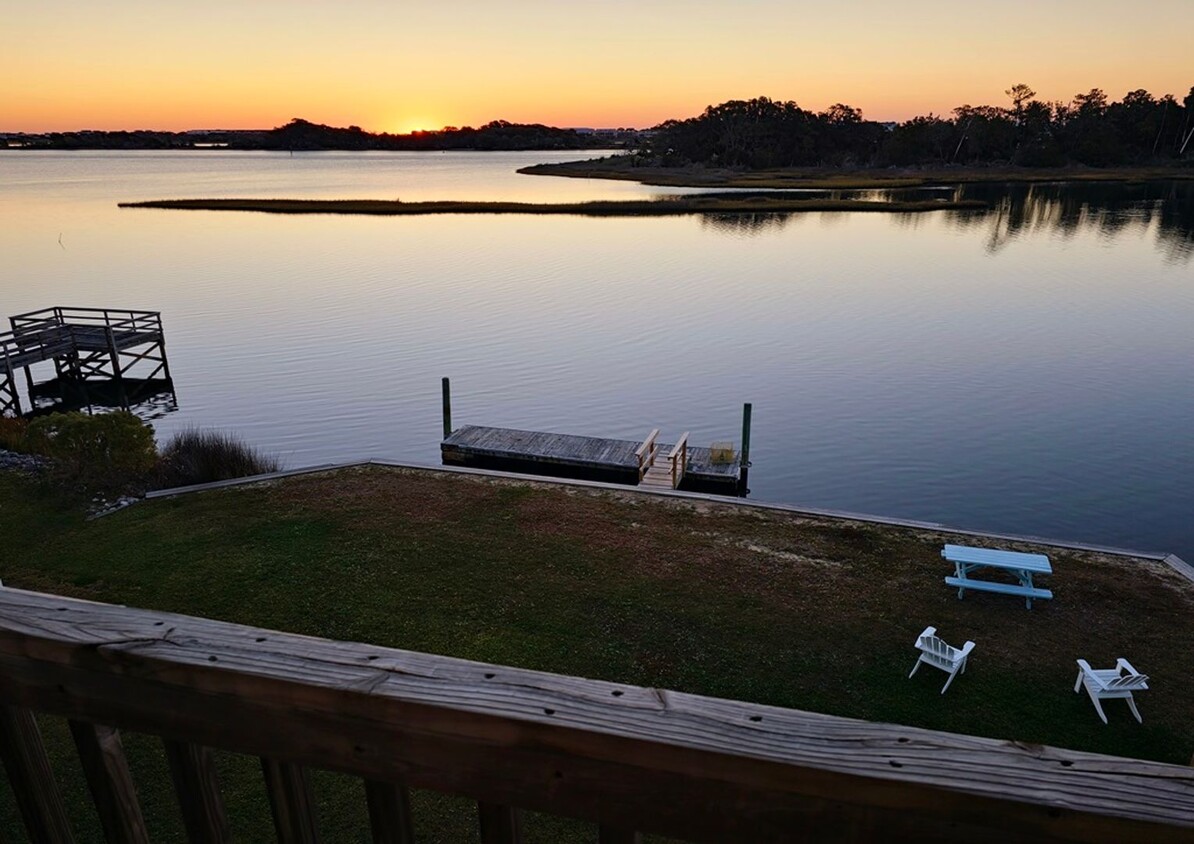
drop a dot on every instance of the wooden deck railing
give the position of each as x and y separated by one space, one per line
647 452
679 459
117 319
622 757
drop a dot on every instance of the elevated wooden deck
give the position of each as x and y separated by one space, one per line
83 344
646 463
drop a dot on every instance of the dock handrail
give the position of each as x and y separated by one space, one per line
626 758
679 453
646 453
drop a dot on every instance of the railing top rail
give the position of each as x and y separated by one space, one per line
124 311
647 446
41 313
109 317
636 758
680 446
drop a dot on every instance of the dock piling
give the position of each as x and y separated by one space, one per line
447 390
744 457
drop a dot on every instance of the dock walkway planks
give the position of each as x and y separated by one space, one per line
569 449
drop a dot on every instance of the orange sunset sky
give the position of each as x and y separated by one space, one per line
398 66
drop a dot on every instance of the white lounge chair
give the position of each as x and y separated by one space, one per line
934 652
1108 683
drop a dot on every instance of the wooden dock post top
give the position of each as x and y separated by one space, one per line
676 764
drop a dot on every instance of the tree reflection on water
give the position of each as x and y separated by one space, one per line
1110 208
1014 209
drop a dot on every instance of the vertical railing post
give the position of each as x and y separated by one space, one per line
499 824
38 798
447 391
194 773
290 801
389 812
101 754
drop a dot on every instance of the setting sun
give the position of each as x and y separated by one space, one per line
407 125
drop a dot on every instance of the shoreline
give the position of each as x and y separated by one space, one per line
834 179
670 207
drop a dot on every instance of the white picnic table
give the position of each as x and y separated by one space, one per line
968 560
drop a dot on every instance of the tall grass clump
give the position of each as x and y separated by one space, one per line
196 456
13 430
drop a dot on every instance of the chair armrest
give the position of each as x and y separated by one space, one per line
1122 664
1085 666
966 648
928 631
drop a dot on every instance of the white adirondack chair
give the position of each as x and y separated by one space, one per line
1109 683
934 652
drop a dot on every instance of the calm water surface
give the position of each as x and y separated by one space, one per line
1026 369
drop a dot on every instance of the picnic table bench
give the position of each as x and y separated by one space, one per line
1023 566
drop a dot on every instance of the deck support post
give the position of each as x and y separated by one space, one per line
114 354
165 361
447 391
10 387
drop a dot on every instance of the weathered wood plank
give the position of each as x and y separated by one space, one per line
198 791
101 753
634 758
32 781
499 824
511 443
389 812
290 802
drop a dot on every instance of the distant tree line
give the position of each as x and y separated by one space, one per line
301 134
1090 130
495 135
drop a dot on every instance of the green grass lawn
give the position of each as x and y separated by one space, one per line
813 614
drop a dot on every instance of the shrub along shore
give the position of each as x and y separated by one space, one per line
817 614
672 206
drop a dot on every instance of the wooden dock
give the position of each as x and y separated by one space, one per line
647 463
85 345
